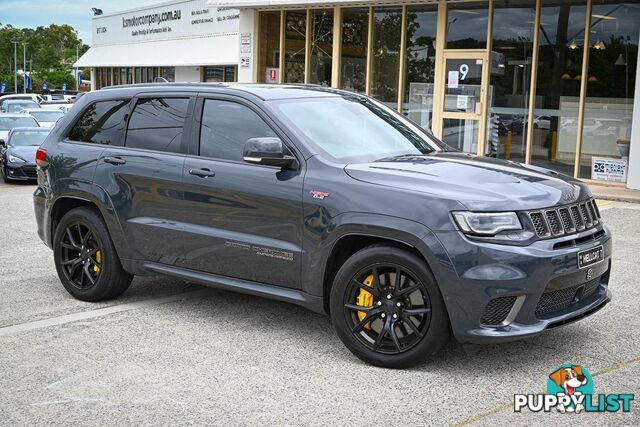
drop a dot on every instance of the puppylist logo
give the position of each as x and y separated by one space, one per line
570 390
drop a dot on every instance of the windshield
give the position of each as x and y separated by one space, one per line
353 129
46 116
13 107
8 123
27 137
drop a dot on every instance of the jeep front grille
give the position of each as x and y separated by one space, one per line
565 219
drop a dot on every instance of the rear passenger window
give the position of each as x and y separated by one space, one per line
226 126
157 124
103 122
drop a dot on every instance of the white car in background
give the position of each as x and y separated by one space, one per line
46 117
23 96
10 121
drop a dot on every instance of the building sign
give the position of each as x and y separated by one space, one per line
245 62
272 75
608 169
184 19
245 43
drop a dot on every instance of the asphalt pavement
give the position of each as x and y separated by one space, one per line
168 352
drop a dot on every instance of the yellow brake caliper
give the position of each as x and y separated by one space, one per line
365 299
96 268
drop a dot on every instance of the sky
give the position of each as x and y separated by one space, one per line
77 13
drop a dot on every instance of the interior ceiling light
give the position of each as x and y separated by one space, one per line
611 18
599 45
573 45
566 76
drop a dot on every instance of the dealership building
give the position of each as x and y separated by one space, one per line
546 82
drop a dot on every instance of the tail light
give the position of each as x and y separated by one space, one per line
41 156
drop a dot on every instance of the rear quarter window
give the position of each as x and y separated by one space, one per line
103 122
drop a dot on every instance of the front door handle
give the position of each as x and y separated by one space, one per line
115 160
202 173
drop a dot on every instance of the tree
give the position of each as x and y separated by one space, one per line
51 52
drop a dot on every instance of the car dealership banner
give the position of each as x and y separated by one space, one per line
168 21
607 169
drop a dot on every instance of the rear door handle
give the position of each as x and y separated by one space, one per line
115 160
202 173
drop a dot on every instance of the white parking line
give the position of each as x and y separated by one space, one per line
90 314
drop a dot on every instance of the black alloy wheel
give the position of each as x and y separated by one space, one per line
85 257
387 308
400 310
81 255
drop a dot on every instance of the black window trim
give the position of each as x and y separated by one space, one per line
194 146
188 121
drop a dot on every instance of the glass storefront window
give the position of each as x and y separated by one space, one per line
269 49
321 47
420 64
221 73
467 25
558 85
230 72
510 84
353 63
294 45
385 61
606 137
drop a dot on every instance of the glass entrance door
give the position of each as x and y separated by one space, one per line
461 110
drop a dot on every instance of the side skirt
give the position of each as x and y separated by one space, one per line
310 302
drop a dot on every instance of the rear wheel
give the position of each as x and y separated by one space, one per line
85 258
387 308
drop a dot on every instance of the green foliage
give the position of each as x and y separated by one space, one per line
50 53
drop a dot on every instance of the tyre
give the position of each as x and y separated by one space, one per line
387 309
85 258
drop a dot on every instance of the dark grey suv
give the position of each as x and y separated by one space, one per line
322 198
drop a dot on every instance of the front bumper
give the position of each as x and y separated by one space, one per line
497 293
21 171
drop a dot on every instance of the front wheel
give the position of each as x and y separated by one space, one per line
85 258
387 309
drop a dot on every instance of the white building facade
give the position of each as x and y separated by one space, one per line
184 41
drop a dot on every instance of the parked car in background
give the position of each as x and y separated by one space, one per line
9 121
59 95
15 106
22 96
45 117
18 153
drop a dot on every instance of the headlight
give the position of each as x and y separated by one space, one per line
16 159
487 224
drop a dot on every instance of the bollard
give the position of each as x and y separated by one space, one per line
554 145
507 146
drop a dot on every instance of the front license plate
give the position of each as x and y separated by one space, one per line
590 257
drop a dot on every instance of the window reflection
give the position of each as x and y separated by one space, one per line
510 83
420 66
321 47
354 49
558 85
294 46
269 49
467 25
610 90
385 62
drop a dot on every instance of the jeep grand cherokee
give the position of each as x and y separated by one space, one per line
322 198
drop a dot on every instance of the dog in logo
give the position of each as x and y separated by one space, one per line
569 379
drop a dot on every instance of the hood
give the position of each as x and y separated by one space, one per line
479 183
28 153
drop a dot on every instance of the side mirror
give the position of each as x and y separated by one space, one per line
268 151
3 143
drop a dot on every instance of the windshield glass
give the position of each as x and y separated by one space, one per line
8 123
27 137
46 116
353 129
13 107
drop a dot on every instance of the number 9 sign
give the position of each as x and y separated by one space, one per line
464 70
